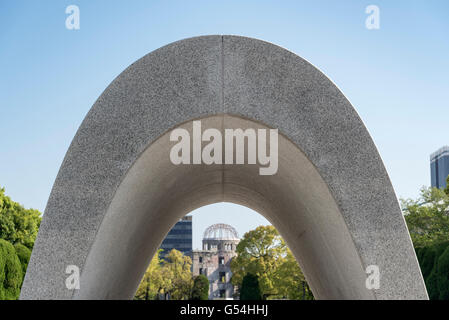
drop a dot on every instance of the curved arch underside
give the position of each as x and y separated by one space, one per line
117 193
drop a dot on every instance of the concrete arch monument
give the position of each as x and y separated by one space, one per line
117 193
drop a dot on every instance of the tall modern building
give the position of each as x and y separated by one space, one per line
439 167
179 237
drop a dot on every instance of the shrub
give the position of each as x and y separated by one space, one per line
200 290
250 288
443 275
24 254
434 263
427 261
10 272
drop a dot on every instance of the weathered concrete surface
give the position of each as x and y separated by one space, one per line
117 193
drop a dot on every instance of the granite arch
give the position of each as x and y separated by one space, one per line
117 194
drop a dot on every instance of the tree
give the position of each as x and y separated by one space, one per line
290 280
17 224
200 290
171 276
262 252
428 217
152 281
428 222
177 268
10 272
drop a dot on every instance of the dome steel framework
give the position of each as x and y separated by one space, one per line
220 231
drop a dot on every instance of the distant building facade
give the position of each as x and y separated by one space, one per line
179 237
214 260
439 167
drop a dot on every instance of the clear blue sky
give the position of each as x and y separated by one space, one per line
396 77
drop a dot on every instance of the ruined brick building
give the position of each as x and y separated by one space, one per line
214 260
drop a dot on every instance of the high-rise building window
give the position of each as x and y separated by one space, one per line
220 260
200 259
439 167
200 271
179 237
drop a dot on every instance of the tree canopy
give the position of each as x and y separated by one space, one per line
169 276
428 217
152 281
263 253
291 280
260 252
17 224
428 222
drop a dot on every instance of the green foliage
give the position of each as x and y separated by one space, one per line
442 271
250 288
428 222
434 263
17 224
428 217
24 254
152 280
171 276
10 272
260 252
432 286
263 253
290 280
200 290
427 261
177 269
18 231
